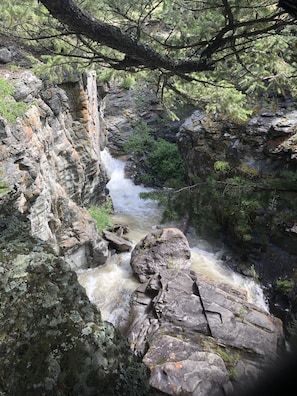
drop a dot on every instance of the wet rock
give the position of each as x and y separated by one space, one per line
200 337
161 249
119 243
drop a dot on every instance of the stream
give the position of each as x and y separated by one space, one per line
110 286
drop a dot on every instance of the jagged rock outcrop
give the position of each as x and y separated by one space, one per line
124 111
198 336
52 339
260 149
51 157
253 145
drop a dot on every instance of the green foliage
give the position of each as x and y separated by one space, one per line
55 70
166 164
221 166
284 286
244 204
9 108
259 60
230 359
161 159
101 214
141 141
128 82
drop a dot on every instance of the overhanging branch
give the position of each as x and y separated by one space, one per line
69 14
203 54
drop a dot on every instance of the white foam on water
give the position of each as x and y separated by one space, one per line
110 286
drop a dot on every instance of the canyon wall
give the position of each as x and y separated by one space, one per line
53 340
50 158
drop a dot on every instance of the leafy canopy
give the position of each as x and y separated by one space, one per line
222 53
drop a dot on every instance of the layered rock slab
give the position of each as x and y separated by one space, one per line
198 336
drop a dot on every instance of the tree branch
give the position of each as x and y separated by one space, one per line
69 14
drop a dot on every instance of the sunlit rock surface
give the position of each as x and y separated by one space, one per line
51 156
198 336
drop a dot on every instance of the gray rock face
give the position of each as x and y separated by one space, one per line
52 339
51 156
252 145
5 55
199 336
263 147
187 370
163 248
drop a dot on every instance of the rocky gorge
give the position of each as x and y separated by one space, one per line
185 334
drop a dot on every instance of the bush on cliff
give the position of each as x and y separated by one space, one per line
158 161
9 108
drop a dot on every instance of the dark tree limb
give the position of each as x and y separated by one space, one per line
138 54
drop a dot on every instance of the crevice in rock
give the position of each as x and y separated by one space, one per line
195 291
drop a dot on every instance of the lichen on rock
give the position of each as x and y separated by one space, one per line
52 339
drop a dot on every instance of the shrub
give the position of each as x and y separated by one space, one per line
284 286
167 163
162 160
101 214
141 141
221 166
128 82
9 108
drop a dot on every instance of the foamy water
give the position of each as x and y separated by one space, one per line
110 286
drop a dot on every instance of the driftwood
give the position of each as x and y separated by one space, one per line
114 235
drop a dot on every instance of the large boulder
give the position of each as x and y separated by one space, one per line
199 336
5 55
161 249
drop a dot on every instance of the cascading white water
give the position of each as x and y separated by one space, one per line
111 285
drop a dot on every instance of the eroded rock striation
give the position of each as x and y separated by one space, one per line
51 157
52 339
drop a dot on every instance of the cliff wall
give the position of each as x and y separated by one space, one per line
50 157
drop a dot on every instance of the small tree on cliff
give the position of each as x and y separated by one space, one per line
219 51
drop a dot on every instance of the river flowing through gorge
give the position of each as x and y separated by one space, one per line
110 286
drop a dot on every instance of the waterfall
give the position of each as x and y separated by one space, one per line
110 286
